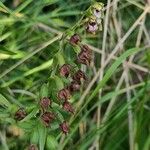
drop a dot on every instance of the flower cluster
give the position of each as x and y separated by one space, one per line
65 94
48 117
94 18
75 77
85 55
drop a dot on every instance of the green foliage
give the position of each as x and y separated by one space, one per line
34 43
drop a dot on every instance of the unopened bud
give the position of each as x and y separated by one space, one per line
64 94
75 39
68 107
65 70
20 114
64 127
45 103
47 118
78 76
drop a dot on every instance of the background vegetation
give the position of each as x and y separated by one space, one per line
112 110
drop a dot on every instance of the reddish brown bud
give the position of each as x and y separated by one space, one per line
78 76
65 70
32 147
64 127
20 114
74 86
45 103
68 107
47 118
75 39
64 94
85 48
85 55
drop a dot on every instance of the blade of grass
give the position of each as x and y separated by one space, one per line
43 66
30 55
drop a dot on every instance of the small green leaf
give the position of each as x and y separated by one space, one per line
42 136
59 115
44 91
27 125
77 49
60 58
51 143
34 136
59 83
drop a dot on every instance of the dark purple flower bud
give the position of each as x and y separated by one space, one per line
45 103
75 39
68 107
74 86
32 147
20 114
78 76
92 27
65 70
85 55
47 118
64 94
64 127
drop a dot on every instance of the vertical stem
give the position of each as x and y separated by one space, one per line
130 113
102 62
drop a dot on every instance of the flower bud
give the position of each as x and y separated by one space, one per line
85 55
64 127
65 70
45 102
68 107
74 86
75 39
64 94
32 147
20 114
47 118
78 76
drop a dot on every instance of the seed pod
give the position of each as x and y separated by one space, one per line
64 127
65 70
68 107
45 103
75 39
74 86
47 118
32 147
78 76
20 114
85 55
64 94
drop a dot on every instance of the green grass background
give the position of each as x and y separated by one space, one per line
30 32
